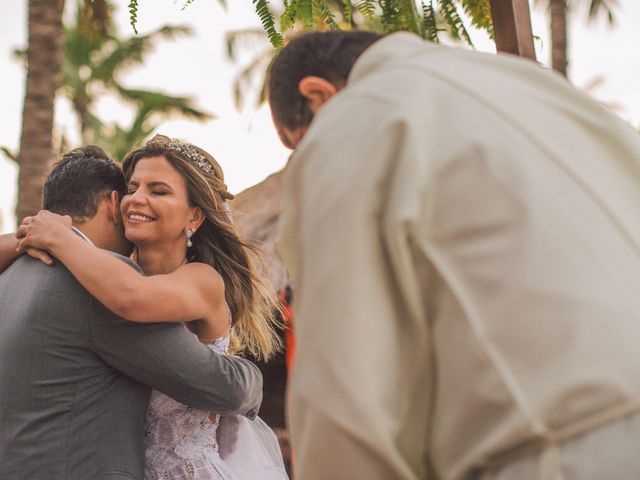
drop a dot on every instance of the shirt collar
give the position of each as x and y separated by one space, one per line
82 235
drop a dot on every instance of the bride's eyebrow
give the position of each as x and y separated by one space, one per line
159 184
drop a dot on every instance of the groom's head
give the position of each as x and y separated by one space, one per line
88 186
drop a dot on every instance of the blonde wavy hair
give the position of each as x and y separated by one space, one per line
254 305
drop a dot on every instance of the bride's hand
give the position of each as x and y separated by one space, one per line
41 230
41 255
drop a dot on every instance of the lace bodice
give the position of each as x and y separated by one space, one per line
181 442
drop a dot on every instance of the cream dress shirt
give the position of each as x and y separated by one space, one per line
463 234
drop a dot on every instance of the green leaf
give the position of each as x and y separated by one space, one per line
347 12
452 17
429 24
323 13
268 22
368 9
13 156
479 11
133 14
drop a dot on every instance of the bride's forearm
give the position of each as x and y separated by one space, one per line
8 253
191 292
114 283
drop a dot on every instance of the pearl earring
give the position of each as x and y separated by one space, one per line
189 235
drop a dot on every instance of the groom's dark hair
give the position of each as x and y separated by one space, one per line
80 181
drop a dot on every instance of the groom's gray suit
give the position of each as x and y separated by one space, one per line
75 379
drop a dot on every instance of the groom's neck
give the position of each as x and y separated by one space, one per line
102 232
91 232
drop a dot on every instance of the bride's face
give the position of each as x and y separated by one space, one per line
156 208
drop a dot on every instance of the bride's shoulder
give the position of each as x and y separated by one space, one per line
199 271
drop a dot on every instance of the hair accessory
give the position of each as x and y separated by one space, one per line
189 235
192 154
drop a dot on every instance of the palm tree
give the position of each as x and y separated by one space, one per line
95 57
151 109
558 14
44 54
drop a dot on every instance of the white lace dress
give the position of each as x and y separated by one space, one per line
181 443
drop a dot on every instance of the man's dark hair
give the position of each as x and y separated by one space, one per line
329 55
80 181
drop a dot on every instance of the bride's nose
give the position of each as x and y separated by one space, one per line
138 197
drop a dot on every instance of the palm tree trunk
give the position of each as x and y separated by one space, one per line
43 58
558 14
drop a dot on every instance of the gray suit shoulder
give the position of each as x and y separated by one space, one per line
126 260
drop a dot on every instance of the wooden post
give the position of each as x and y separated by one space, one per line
512 25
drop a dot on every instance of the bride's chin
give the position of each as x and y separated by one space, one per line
134 236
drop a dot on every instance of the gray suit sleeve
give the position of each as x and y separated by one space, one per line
169 358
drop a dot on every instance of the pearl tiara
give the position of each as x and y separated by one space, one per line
192 155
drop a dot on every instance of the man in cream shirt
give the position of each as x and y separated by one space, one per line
463 233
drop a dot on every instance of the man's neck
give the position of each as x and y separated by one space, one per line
81 233
93 234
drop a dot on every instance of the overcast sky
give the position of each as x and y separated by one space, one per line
245 142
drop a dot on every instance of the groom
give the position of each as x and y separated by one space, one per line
74 378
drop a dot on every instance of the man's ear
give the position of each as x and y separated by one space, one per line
113 208
317 90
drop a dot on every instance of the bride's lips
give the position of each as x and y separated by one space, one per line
139 218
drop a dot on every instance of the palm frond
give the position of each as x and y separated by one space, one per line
597 7
186 4
304 11
132 51
11 155
347 12
133 15
244 39
368 9
288 16
429 22
479 11
453 19
322 12
249 76
268 22
162 103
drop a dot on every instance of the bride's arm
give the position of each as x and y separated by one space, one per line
8 252
193 291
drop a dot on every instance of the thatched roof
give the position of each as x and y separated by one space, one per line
256 211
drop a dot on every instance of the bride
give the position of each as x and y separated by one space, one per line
197 271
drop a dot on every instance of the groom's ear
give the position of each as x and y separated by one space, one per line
113 208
